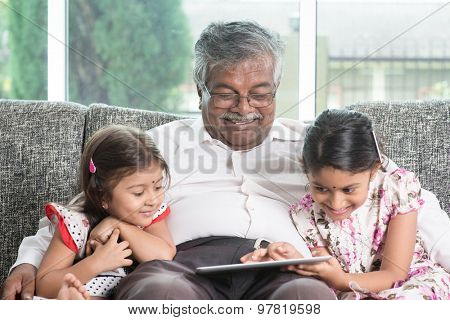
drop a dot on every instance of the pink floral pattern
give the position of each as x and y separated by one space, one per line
357 242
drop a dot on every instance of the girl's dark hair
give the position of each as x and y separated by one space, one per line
340 139
116 151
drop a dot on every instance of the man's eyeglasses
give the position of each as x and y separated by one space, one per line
231 100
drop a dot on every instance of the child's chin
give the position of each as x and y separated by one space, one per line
339 217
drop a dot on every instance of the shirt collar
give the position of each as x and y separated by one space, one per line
287 130
282 129
199 131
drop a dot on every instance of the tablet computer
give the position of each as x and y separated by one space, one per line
258 265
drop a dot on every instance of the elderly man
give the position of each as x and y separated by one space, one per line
234 173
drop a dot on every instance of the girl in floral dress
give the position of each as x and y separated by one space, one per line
362 216
121 210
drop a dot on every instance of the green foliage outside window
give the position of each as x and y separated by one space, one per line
144 46
27 42
129 53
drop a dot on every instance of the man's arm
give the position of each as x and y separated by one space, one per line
434 226
21 280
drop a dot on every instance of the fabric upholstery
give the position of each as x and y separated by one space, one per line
416 137
100 115
39 157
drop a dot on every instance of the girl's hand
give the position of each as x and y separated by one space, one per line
274 251
101 232
329 271
112 255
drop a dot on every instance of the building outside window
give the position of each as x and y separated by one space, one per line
139 53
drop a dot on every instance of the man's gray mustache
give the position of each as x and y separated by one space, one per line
233 116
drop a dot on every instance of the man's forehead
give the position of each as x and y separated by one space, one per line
257 64
255 73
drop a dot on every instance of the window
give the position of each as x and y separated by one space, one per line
140 53
381 50
23 50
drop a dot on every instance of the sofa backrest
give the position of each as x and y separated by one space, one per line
40 150
416 136
100 115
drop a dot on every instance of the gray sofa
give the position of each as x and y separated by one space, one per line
41 144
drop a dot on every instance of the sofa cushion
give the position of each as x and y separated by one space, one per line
100 115
39 159
416 137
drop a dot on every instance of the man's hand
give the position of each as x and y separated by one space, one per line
21 283
258 255
283 251
274 251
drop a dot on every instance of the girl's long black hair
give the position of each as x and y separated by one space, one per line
341 139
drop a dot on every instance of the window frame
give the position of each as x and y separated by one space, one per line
58 53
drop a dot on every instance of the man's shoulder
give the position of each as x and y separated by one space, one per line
173 130
295 125
290 128
171 135
172 126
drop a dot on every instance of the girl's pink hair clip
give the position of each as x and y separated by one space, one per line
92 167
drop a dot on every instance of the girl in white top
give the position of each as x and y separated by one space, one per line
122 175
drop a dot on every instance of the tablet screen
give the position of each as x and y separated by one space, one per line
258 265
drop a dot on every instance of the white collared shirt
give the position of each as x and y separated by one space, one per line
216 191
220 192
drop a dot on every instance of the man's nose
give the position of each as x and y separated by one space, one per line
243 106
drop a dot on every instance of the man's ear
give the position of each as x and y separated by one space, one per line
277 85
200 97
199 92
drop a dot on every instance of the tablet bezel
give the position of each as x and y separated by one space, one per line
258 265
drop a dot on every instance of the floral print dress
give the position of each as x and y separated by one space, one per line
357 242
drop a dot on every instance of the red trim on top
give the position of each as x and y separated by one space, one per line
50 211
160 217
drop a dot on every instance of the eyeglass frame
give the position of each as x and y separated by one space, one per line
211 95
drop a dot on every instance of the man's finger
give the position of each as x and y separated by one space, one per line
259 254
247 257
28 289
10 289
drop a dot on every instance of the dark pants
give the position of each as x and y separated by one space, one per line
177 280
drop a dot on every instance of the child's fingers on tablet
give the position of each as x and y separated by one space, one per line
306 273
